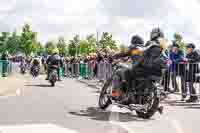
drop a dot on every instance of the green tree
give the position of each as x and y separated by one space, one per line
50 46
92 43
3 41
28 40
83 47
73 47
13 43
107 41
61 45
40 49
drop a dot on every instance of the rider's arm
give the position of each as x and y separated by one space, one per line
195 58
121 55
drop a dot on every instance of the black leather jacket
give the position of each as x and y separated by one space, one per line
153 63
55 59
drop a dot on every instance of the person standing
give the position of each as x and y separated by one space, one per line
176 56
192 57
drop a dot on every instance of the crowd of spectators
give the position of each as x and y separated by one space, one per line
183 64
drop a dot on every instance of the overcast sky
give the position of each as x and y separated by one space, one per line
53 18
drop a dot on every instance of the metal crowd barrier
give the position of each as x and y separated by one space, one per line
5 68
104 71
68 69
86 70
183 79
178 79
72 70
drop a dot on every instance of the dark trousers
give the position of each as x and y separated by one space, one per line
183 86
174 81
166 80
192 90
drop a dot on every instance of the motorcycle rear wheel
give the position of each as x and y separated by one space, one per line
152 109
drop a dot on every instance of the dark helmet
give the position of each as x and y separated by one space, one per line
156 33
136 40
191 45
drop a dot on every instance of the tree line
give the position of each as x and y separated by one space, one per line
27 43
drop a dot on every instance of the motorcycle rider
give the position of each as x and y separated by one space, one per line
35 63
126 75
155 49
54 60
146 60
23 65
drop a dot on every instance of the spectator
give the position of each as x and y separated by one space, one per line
192 57
166 76
99 58
176 56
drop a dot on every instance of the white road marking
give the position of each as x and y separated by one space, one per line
123 126
114 120
35 128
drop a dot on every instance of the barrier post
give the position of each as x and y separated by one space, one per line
83 70
4 65
77 70
61 72
90 70
1 67
100 71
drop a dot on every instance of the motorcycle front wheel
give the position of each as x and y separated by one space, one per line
104 98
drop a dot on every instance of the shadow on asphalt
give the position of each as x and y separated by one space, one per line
89 85
39 85
98 114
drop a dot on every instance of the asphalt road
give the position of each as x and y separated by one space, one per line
71 106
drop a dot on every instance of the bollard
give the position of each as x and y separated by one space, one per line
1 66
61 71
83 70
4 68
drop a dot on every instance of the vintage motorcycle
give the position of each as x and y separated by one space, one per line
143 97
35 71
53 75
